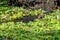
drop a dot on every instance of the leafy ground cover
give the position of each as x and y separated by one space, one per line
47 28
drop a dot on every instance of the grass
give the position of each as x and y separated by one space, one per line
47 28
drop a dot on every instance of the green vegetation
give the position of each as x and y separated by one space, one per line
47 28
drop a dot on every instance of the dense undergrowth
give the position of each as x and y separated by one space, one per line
47 28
